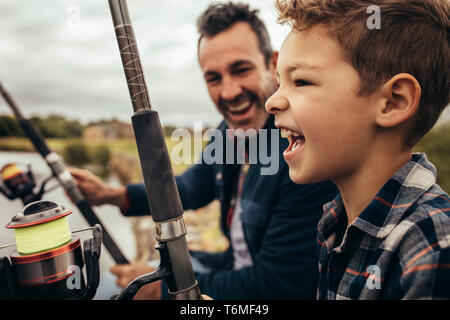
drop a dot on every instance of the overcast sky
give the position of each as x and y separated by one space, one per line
62 57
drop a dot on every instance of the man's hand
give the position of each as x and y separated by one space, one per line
96 191
128 272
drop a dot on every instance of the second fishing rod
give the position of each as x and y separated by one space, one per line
63 176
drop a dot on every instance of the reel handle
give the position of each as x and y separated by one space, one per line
92 248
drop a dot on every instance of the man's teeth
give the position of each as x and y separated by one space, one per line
239 107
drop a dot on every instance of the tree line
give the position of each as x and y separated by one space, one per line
52 126
55 126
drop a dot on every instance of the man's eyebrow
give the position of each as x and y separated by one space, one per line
240 63
234 65
210 73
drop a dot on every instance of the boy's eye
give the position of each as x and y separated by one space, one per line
301 83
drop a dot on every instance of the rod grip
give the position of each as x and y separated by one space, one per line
162 192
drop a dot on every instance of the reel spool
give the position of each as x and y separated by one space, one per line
49 258
18 183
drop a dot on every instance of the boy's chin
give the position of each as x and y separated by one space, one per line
299 177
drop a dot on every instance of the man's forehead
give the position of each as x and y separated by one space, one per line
236 43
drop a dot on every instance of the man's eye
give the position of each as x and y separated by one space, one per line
301 83
212 79
242 70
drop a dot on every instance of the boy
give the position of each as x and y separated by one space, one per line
353 101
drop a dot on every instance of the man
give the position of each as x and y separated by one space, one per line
269 220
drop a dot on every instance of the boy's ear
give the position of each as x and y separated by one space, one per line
401 96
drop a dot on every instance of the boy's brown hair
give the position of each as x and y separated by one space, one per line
413 38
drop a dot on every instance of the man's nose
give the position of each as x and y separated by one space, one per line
276 103
231 88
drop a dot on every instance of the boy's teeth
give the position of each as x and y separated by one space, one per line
297 144
286 133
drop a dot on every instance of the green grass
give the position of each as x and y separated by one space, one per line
24 144
436 144
57 145
15 144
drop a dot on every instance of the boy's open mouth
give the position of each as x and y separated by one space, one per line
296 141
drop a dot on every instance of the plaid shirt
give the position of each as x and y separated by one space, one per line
397 248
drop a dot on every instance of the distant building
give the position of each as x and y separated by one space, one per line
108 131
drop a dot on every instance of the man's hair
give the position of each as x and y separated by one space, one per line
219 17
413 38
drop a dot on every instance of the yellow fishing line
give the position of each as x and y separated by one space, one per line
42 236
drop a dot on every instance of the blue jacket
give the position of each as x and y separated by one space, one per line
279 222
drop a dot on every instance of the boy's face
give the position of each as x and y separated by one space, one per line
317 100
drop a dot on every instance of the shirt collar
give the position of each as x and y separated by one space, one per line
386 210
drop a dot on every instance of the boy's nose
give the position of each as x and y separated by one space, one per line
276 103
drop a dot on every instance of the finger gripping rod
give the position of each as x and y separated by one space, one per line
162 193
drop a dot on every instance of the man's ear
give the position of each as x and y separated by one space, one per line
273 60
401 96
272 67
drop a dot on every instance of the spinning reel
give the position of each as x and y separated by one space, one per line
49 258
20 184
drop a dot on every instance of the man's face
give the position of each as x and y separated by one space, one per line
238 80
331 127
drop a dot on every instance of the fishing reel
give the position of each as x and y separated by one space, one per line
20 184
49 259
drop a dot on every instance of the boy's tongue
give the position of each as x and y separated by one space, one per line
295 144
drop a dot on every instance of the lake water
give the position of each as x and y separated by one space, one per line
118 225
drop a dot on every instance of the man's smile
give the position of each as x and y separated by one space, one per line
239 108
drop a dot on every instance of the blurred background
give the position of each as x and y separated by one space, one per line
60 62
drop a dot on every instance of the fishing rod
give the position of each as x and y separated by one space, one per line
162 193
60 172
